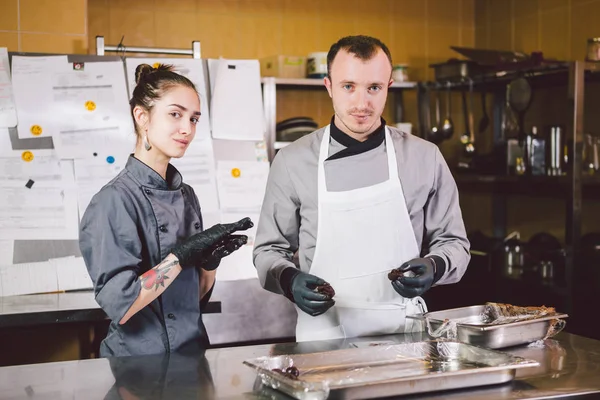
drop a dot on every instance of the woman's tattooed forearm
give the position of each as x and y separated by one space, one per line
157 276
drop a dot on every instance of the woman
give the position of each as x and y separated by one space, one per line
141 236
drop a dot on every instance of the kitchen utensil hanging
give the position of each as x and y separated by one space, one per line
447 125
519 98
485 119
435 135
468 139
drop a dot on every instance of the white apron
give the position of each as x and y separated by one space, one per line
362 235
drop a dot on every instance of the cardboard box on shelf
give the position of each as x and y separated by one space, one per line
283 66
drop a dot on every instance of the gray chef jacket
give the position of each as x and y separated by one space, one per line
129 227
288 219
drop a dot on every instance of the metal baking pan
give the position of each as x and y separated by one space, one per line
393 370
473 328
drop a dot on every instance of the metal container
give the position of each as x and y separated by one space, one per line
388 370
593 49
556 151
455 70
473 328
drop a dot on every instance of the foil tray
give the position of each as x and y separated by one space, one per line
473 328
388 370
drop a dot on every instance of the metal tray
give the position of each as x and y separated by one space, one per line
393 370
473 329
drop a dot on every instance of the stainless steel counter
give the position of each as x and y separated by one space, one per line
569 365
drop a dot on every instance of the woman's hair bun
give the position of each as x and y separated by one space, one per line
143 70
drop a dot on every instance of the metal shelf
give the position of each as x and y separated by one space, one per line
318 82
534 186
271 84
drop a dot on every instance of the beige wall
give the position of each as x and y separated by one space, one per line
45 26
418 32
559 28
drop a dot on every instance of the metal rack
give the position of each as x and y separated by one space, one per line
102 48
572 184
270 101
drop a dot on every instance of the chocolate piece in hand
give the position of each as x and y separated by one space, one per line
290 372
326 289
395 274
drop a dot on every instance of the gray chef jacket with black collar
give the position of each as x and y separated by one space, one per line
129 227
288 219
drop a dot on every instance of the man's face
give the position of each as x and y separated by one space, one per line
358 90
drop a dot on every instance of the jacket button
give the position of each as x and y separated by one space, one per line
147 191
171 316
197 225
162 228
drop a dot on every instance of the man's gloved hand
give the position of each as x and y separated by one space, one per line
410 286
193 251
306 298
215 253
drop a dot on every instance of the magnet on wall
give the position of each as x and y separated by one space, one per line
27 156
36 130
90 105
236 173
110 159
29 184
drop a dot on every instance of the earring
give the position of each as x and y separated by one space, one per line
147 144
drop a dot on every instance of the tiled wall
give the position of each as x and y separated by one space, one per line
45 26
559 28
418 32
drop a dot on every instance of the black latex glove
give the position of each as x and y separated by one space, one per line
215 253
193 250
424 274
303 290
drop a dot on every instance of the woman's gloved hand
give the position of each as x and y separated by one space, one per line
194 250
222 249
415 284
303 289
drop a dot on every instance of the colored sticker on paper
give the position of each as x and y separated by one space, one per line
90 105
36 130
236 172
27 156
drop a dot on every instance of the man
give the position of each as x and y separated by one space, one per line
355 200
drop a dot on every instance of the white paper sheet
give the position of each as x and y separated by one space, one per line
236 106
240 150
197 168
90 176
32 89
71 273
43 171
191 69
95 117
6 149
5 144
28 278
7 248
47 211
8 110
241 184
239 265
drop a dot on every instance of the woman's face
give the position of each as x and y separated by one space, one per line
172 121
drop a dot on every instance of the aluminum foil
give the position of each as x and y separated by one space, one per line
348 369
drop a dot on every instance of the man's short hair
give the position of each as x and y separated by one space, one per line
363 47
